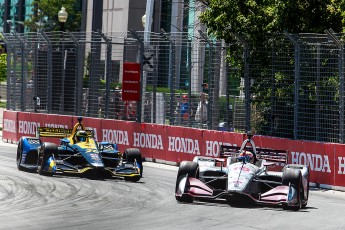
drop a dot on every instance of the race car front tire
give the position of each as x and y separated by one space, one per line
45 151
132 179
294 177
131 155
19 154
192 169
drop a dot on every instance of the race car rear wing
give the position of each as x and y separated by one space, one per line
53 132
57 132
267 154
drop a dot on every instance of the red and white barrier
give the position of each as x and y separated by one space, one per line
172 144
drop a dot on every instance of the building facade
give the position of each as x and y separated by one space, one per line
111 15
13 13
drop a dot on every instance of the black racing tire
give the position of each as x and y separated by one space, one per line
304 204
132 178
192 169
294 177
131 155
46 150
19 154
305 200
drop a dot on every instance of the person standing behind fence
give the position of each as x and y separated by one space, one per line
182 110
201 111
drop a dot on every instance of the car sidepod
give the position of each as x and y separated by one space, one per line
92 156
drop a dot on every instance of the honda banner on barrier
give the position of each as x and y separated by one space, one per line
172 144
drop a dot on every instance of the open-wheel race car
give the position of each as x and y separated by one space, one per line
241 174
78 154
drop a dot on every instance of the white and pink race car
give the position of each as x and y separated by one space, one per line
241 173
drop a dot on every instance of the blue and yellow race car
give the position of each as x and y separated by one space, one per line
78 154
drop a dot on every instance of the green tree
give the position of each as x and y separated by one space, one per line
46 12
252 19
258 23
3 60
3 66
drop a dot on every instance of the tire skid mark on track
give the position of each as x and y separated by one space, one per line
6 192
24 192
30 201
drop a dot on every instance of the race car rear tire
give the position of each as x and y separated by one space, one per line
131 155
19 154
192 169
294 177
47 150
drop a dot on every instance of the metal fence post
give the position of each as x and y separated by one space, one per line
318 77
210 81
340 45
141 58
189 77
228 111
49 74
94 81
108 73
247 87
35 69
296 85
22 74
154 93
246 82
215 64
79 80
171 75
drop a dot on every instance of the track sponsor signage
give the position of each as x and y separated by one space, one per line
115 132
339 163
10 124
131 81
314 154
214 139
172 144
151 143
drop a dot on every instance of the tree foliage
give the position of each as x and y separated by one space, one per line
252 19
3 61
46 12
3 66
255 26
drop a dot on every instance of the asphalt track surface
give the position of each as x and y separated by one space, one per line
30 201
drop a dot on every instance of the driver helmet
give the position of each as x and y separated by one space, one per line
81 136
246 156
